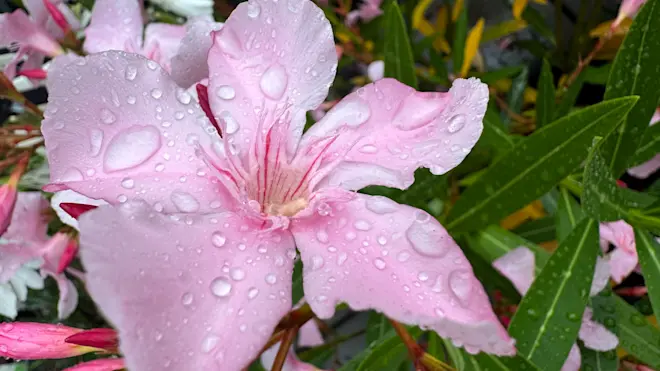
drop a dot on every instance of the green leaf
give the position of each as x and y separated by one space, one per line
602 198
494 241
494 136
603 313
377 327
570 97
437 347
649 147
297 291
636 335
460 38
635 71
545 101
398 57
489 276
490 362
538 231
550 315
649 259
534 166
494 76
389 351
568 215
516 95
538 22
597 75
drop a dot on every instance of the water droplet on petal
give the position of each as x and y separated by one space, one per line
226 92
253 9
107 117
341 258
131 148
130 73
403 256
221 287
461 284
428 239
271 278
380 263
317 262
237 274
456 123
230 124
185 202
274 81
218 239
382 240
156 93
368 149
209 343
362 225
439 312
253 292
95 142
381 205
187 299
423 276
322 236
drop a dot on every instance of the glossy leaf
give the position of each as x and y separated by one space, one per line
398 58
549 317
570 97
377 326
534 166
545 101
516 95
636 334
494 241
538 231
494 135
649 146
460 34
388 351
488 362
569 214
649 259
441 348
635 71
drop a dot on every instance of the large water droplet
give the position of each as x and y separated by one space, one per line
274 81
271 278
218 239
221 287
237 274
322 236
428 239
95 142
460 284
184 201
182 96
362 225
317 262
381 205
253 9
130 73
128 183
417 110
226 92
209 343
230 124
380 263
107 117
131 148
456 123
156 93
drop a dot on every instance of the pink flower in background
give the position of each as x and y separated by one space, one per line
29 340
644 170
623 259
119 25
518 266
628 9
292 363
366 11
209 225
36 35
105 364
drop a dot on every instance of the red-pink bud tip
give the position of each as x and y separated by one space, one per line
76 210
57 16
37 74
101 338
203 95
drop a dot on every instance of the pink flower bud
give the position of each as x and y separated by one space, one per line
628 9
57 16
7 201
59 251
30 340
76 210
100 338
37 74
106 364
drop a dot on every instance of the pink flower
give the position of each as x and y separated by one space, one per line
628 9
8 196
28 340
118 25
309 335
367 11
292 363
518 266
644 170
57 253
105 364
623 259
36 34
209 225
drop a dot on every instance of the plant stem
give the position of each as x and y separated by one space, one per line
414 350
287 340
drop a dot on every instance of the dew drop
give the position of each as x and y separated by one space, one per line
403 256
423 276
226 92
187 299
221 287
95 142
317 262
253 9
184 201
209 343
218 240
130 73
460 284
128 183
322 236
230 124
456 123
362 225
428 239
368 149
131 148
274 81
107 117
252 293
381 205
382 240
380 263
341 258
271 278
156 93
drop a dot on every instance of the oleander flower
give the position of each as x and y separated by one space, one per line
192 259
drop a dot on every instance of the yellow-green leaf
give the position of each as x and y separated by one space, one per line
472 46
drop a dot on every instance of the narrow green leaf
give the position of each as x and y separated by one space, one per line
377 327
570 97
297 291
635 71
440 348
494 136
538 22
538 231
534 166
568 215
386 352
549 317
494 76
636 335
602 199
490 362
516 95
398 57
597 75
649 258
495 241
545 100
649 147
460 37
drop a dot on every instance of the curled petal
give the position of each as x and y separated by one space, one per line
271 61
68 300
623 260
189 64
8 195
309 335
645 170
106 364
386 130
67 214
166 37
594 335
140 137
518 267
601 276
17 27
102 338
29 340
574 359
114 25
186 291
407 267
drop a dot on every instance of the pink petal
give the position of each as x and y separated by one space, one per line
17 27
106 364
189 64
373 253
68 300
574 360
69 196
309 335
594 335
386 130
623 260
42 17
601 276
622 264
139 137
518 267
168 38
369 11
186 292
272 61
291 363
27 222
352 18
645 170
114 25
